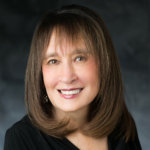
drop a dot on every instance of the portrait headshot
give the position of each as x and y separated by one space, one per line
77 92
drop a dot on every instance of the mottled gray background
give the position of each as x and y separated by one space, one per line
129 24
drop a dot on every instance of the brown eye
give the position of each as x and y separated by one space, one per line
53 61
80 58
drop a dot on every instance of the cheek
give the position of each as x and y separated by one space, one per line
49 77
89 73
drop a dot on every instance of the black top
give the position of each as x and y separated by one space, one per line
24 136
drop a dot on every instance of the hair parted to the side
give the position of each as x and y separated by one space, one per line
108 113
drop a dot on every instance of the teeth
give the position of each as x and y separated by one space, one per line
70 92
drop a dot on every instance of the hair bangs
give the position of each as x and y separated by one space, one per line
73 32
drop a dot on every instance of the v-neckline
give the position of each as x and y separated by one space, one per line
70 144
74 147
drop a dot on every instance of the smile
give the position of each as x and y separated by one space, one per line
70 93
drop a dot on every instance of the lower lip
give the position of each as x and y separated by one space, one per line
69 96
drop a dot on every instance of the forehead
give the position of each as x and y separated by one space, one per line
63 44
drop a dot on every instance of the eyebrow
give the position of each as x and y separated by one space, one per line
76 51
80 51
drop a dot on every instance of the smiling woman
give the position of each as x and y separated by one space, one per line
73 91
69 89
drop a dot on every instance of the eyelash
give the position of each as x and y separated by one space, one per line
82 58
53 61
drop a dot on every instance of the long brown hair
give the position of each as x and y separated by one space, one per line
108 113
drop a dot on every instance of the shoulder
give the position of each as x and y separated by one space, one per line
22 127
121 144
21 135
118 138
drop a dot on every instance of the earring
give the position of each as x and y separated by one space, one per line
46 99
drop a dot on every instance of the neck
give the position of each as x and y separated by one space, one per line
77 118
86 142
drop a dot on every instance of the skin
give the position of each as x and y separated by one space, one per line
68 66
88 143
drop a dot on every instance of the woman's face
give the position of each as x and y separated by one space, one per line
70 75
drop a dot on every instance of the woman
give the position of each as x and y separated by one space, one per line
73 91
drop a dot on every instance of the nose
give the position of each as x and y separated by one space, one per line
67 74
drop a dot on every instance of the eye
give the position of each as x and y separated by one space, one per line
53 61
80 58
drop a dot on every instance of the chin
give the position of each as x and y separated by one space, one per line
69 109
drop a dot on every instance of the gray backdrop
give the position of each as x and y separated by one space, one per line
129 24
